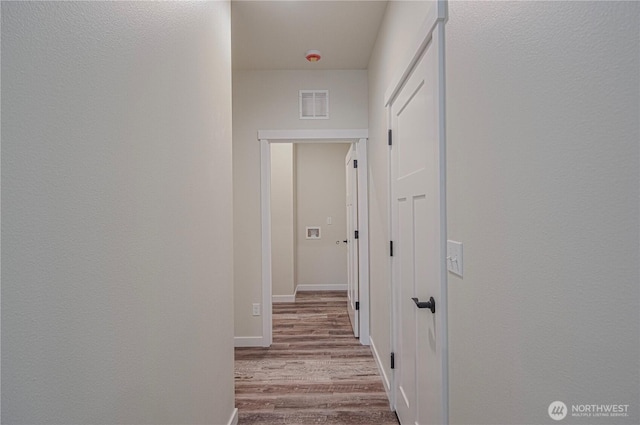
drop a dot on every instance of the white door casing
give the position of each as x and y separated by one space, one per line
418 232
353 291
266 137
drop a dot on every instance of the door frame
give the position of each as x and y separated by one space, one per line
359 138
353 244
435 21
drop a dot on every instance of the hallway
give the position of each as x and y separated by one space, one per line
314 372
137 247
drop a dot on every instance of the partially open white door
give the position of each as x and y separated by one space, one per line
353 288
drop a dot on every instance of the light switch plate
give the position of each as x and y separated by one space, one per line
454 257
329 220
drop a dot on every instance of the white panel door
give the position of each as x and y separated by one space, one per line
353 286
417 225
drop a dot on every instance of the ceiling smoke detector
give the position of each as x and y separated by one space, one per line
313 55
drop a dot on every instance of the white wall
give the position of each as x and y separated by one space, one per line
116 219
542 139
268 100
402 20
282 219
543 182
321 193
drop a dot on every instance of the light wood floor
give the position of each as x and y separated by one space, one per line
315 372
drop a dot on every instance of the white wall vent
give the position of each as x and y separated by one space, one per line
314 104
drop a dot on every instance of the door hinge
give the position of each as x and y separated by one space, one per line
393 361
355 163
357 305
391 248
356 235
390 137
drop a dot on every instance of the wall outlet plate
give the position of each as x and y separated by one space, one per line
256 309
454 257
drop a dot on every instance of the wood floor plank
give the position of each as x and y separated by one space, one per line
315 372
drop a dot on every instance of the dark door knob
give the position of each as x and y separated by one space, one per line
431 304
345 241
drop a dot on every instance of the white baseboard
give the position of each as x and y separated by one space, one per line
247 341
233 420
321 287
283 298
385 379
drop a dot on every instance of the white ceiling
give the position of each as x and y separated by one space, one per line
276 34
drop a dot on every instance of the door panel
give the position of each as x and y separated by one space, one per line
353 286
416 224
406 373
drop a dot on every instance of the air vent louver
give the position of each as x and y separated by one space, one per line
314 104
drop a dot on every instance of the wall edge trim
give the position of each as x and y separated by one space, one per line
233 420
248 341
322 287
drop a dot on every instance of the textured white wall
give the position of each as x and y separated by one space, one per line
543 176
268 100
282 219
401 22
321 193
116 218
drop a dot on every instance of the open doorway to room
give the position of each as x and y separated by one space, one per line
305 236
308 220
310 246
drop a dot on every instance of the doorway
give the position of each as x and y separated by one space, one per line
359 140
